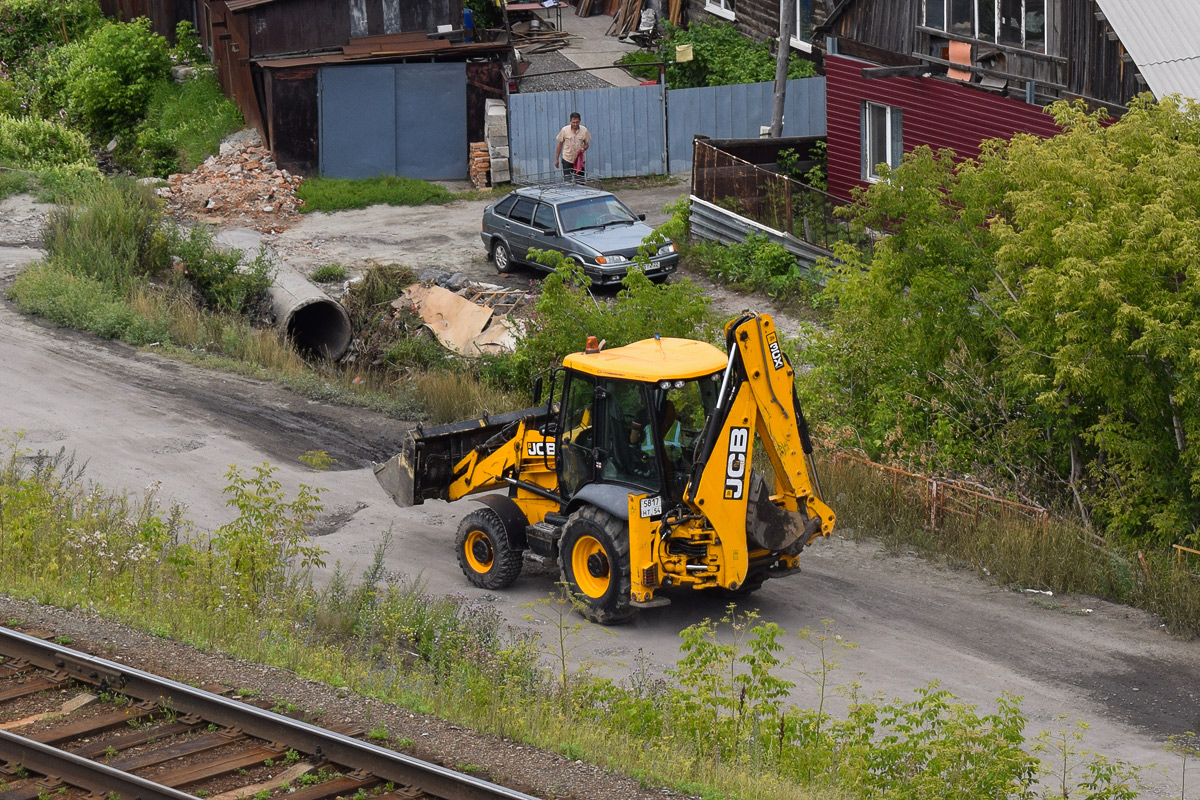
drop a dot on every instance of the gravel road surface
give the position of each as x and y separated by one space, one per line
137 418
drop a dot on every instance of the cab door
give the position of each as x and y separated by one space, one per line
576 457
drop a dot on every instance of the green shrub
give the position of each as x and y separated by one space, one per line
184 124
187 49
10 96
566 313
756 264
115 74
44 86
31 143
112 232
721 56
25 25
217 274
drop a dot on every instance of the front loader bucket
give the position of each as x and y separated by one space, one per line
428 461
397 476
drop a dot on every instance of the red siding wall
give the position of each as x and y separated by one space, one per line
936 112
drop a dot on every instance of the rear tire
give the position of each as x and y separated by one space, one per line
501 256
486 556
593 560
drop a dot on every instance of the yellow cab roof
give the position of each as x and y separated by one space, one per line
651 360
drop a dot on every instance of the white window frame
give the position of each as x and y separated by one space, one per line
721 8
871 161
796 42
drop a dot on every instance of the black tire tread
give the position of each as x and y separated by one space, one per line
616 608
507 561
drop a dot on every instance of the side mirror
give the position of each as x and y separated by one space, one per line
549 232
642 217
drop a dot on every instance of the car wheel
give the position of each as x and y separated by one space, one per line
501 256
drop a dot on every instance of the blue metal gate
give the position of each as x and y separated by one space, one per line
393 119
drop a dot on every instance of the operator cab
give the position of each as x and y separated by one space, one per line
631 417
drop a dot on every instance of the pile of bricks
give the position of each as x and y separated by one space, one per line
239 184
481 164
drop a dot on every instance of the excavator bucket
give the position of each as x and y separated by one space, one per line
428 460
397 475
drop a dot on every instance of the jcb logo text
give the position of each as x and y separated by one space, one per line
776 353
540 449
735 468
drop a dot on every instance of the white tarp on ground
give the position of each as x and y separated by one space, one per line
460 325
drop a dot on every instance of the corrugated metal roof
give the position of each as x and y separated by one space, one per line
1161 37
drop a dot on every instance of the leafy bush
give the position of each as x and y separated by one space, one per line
187 49
25 25
10 96
721 56
184 124
330 273
217 274
754 265
567 312
45 85
31 143
115 74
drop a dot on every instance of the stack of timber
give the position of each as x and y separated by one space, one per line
584 9
675 11
626 18
544 39
480 164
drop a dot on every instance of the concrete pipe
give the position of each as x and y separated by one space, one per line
314 322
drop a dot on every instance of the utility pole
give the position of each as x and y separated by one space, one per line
787 12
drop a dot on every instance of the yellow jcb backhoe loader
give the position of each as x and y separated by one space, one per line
636 474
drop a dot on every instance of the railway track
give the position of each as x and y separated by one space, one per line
76 726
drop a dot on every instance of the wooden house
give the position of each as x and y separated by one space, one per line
952 73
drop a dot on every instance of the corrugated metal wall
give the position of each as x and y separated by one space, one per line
632 131
627 124
737 112
937 113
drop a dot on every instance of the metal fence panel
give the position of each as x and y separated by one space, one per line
627 126
738 112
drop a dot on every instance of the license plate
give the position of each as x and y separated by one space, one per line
651 507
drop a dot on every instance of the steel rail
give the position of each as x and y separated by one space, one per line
343 750
83 773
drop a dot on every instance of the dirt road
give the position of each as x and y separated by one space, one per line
138 419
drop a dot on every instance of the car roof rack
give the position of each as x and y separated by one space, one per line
549 181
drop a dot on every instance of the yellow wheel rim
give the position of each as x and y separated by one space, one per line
479 552
589 565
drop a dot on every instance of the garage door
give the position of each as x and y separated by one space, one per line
394 119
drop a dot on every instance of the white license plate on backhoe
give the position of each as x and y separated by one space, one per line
651 507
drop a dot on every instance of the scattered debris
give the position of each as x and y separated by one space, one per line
239 184
1039 591
468 328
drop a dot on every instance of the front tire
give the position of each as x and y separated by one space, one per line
593 560
501 256
486 556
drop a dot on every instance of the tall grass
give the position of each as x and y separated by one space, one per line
1059 556
717 724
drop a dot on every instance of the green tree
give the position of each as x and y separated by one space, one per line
28 25
1033 313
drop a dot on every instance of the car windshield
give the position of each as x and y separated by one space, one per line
594 212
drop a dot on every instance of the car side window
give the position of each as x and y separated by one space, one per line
544 219
504 206
523 211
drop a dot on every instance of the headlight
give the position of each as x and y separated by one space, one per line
667 248
611 259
